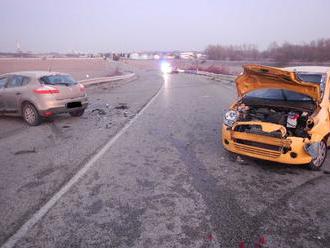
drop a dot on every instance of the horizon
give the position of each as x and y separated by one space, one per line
167 51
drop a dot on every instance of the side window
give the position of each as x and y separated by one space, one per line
17 81
3 81
26 80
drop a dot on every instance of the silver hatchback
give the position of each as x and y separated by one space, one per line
35 95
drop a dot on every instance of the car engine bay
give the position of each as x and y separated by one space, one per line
296 122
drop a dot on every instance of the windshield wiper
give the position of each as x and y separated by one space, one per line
284 96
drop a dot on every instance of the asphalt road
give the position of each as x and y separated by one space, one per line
165 181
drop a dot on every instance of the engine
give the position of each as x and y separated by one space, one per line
296 122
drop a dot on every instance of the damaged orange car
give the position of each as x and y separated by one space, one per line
281 115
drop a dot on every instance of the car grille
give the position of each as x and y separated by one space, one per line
257 151
256 144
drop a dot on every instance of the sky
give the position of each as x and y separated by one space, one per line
150 25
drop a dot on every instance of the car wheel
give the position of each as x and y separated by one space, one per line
317 163
31 114
77 113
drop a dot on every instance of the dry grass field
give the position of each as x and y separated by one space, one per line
78 67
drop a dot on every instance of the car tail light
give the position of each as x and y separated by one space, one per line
82 88
46 90
48 113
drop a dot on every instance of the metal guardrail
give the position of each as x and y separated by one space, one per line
106 79
214 76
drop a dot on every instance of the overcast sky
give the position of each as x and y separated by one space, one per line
127 25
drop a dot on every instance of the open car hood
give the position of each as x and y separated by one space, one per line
265 77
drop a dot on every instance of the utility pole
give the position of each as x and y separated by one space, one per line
18 47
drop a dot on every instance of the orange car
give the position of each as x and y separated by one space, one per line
281 115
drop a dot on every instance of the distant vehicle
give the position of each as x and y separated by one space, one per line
282 115
35 95
166 67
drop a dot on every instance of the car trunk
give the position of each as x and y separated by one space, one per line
68 88
69 92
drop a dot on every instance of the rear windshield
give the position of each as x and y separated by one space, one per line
58 80
278 95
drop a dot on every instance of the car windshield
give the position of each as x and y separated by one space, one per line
278 95
58 80
316 78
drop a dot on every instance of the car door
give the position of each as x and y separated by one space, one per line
3 82
13 92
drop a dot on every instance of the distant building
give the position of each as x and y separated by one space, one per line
135 56
144 56
169 56
187 55
201 56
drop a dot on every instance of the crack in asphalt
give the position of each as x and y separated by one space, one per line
13 132
279 207
230 223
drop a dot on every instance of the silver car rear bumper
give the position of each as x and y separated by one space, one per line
60 106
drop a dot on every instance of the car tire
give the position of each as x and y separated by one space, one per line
317 163
31 114
77 113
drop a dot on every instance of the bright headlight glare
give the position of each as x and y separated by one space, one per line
230 118
166 67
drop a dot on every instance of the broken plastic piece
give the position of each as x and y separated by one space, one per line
313 149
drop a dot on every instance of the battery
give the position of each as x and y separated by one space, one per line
292 120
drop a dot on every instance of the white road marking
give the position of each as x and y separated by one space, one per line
35 218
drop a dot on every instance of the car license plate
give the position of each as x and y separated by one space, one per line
73 105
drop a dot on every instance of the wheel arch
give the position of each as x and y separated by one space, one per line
25 101
326 139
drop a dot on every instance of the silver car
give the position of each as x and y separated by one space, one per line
35 95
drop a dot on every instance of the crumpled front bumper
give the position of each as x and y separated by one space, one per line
290 150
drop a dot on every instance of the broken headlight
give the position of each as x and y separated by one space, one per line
313 149
230 118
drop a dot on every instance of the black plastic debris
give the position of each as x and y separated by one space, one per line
99 111
122 106
25 151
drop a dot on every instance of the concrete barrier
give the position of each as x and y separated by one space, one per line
101 80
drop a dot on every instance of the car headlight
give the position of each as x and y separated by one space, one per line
166 67
230 118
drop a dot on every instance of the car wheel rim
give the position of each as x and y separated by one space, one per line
321 156
29 115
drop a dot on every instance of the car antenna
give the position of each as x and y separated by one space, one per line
50 66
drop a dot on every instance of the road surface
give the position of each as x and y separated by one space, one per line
165 181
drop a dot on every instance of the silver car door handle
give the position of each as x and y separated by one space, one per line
17 94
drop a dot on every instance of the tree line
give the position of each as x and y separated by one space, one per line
314 51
